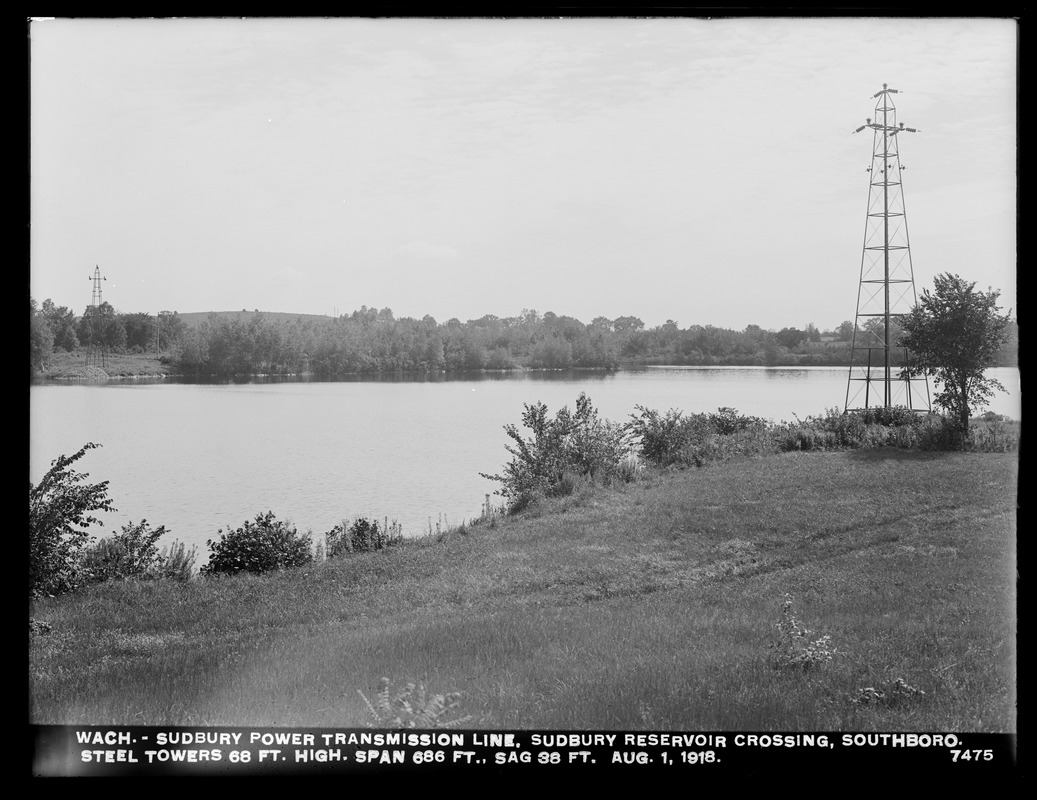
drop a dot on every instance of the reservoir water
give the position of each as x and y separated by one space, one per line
197 457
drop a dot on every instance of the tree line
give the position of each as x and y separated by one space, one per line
57 329
371 340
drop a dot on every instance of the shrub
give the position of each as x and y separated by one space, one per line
134 553
893 417
756 439
993 433
61 510
262 545
361 536
801 437
673 439
728 421
562 451
663 438
875 436
866 428
836 429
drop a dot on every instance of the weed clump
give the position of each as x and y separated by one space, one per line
362 536
38 627
793 648
893 693
177 561
413 707
630 468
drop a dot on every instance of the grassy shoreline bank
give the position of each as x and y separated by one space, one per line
651 605
64 366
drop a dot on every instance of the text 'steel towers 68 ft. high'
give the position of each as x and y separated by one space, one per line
878 376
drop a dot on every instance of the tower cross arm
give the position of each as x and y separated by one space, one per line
891 129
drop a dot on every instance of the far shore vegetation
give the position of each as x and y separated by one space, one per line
106 343
672 572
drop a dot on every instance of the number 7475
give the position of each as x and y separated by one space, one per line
972 755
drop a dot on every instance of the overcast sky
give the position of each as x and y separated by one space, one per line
699 171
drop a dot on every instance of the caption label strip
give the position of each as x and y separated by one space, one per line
98 750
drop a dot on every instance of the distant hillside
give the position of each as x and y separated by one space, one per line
197 317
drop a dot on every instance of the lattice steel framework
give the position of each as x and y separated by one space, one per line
878 378
97 347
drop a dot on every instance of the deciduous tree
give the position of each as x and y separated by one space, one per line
61 509
954 334
41 339
62 322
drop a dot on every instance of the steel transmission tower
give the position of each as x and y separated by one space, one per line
97 349
878 378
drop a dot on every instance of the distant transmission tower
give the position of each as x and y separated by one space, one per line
97 347
878 377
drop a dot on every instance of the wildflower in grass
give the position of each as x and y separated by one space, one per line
793 648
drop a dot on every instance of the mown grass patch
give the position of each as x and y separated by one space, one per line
72 366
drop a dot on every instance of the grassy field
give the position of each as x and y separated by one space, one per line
73 366
652 605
